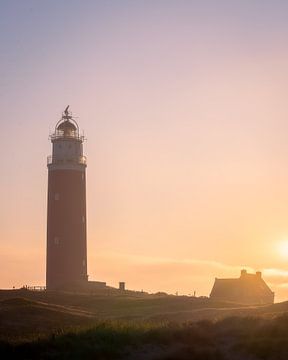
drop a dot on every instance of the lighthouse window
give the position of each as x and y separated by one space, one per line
56 240
57 196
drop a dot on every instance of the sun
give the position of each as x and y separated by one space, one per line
283 248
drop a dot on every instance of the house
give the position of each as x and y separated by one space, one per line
249 289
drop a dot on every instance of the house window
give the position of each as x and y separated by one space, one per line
56 240
83 219
84 262
57 196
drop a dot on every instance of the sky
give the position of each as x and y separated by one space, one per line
183 104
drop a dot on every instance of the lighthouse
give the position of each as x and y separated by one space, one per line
66 265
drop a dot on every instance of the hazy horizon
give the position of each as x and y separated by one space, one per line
183 104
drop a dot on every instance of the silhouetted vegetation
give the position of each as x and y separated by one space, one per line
50 325
257 337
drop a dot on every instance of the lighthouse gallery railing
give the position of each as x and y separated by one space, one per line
78 160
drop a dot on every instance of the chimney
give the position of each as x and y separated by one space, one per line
258 274
243 272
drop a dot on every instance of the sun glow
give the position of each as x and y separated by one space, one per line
283 248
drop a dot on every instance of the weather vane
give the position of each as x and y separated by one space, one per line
66 112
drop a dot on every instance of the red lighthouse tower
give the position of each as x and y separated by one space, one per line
66 218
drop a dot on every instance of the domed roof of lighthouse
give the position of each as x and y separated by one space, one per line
67 126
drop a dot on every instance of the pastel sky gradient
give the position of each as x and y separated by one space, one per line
184 105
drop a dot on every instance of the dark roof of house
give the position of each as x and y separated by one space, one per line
248 287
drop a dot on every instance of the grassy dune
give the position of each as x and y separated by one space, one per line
231 338
136 326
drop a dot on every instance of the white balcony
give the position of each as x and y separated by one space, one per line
76 160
